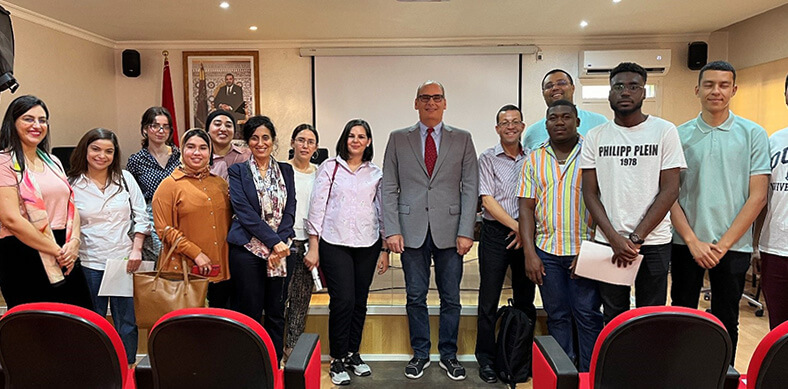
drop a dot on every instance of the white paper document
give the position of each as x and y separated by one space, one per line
116 282
595 262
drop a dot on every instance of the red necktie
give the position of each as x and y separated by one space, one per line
430 152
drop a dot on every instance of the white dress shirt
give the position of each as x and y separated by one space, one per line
105 220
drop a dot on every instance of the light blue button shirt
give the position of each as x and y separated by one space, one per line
536 133
716 183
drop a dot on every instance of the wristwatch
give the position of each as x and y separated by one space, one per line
635 238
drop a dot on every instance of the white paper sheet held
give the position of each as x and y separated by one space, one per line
595 262
116 282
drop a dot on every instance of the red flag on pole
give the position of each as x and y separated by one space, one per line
167 101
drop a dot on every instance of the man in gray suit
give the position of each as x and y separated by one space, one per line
430 189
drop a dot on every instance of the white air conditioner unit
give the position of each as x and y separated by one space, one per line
599 63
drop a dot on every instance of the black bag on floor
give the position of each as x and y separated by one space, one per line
514 345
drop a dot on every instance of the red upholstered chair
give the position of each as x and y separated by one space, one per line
219 348
769 363
52 345
650 347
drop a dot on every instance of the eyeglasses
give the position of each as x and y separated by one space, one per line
426 98
159 127
31 121
630 87
551 85
303 141
514 123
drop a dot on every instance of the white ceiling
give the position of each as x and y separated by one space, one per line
348 20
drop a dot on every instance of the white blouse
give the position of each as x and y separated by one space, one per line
105 220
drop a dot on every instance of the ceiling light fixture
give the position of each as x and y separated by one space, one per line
583 24
224 5
616 1
253 28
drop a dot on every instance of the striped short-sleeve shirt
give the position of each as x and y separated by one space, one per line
498 177
561 218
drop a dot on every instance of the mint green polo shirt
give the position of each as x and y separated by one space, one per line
716 183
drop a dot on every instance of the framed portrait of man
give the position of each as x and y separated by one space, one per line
225 80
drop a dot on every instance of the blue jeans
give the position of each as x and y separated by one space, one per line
448 274
122 312
566 299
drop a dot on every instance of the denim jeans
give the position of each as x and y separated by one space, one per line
566 299
122 309
448 274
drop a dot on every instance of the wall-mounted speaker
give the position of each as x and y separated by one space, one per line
131 63
697 55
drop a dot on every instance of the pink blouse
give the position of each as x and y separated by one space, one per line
352 216
54 191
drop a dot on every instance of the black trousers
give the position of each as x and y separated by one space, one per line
255 293
219 294
651 284
727 285
494 259
24 280
349 272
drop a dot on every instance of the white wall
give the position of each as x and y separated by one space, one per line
75 78
82 82
678 105
285 92
759 39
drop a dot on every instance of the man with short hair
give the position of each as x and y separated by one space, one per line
230 97
722 192
631 170
430 189
557 84
499 244
553 223
221 128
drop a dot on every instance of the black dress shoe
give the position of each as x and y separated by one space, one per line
487 374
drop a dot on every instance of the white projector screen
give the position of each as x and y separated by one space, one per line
382 89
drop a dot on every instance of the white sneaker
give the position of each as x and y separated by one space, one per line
339 375
354 362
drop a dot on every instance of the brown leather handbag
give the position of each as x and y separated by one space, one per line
157 293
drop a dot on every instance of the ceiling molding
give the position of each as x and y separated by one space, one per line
54 24
547 40
447 42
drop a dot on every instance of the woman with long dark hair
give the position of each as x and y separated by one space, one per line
39 224
346 224
263 196
193 204
157 159
109 203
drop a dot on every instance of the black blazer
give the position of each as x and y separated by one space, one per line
246 205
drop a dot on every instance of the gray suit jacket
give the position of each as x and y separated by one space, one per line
445 202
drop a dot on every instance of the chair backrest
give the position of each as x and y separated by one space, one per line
211 348
769 363
52 345
661 347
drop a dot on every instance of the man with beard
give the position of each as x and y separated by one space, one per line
631 170
230 97
557 84
722 192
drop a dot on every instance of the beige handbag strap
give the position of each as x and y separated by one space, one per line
167 259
